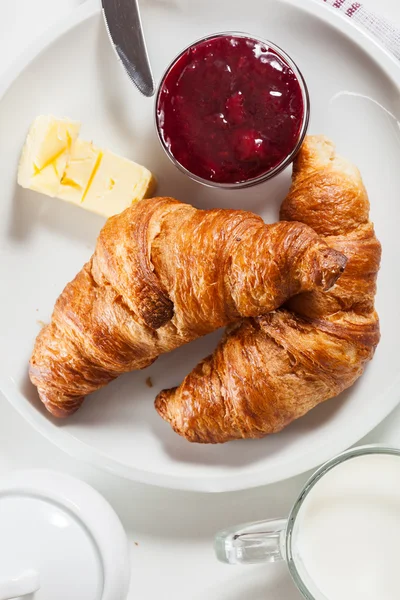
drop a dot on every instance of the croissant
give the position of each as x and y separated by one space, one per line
164 273
268 371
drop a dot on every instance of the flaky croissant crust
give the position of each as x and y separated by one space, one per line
164 273
270 370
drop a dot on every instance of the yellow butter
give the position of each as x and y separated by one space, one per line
116 184
57 163
46 153
78 172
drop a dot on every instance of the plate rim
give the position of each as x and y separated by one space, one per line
209 483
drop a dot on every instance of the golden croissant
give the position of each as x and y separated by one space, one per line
268 371
164 273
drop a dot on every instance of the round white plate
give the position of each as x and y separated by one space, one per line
72 71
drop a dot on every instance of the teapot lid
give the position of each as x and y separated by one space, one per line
59 538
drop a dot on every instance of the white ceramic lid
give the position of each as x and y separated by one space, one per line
60 539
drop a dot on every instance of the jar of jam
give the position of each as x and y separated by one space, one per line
232 110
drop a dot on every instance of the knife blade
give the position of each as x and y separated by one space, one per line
124 26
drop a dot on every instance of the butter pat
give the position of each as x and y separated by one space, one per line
46 153
79 172
56 162
116 183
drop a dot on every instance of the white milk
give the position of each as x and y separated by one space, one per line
347 533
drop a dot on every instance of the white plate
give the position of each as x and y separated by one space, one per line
43 242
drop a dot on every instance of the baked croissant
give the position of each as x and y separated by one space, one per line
268 371
164 273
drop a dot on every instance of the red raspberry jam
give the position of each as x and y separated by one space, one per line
230 109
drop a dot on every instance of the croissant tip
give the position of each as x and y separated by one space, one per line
60 409
335 264
161 403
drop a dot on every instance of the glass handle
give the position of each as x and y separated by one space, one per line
259 542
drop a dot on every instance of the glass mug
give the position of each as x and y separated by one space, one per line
277 540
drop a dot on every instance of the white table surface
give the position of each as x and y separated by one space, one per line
170 533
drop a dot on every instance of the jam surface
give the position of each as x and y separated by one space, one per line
230 109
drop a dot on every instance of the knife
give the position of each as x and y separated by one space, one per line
125 29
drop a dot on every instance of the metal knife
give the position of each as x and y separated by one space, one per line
125 28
